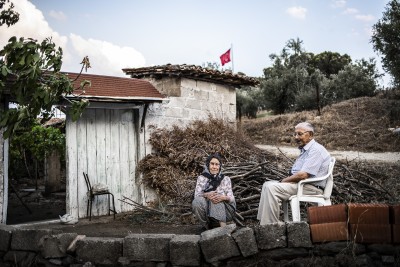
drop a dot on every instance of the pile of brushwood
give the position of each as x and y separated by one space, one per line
180 154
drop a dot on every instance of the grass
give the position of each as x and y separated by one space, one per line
264 113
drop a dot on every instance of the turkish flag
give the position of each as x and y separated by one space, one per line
225 57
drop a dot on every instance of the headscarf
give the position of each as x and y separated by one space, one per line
213 180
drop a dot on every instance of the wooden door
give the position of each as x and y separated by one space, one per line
104 144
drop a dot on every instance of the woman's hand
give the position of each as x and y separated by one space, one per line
208 195
214 197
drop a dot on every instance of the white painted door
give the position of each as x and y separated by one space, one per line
104 144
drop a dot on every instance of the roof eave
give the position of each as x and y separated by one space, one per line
192 72
117 98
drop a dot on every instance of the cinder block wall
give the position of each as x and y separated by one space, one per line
191 100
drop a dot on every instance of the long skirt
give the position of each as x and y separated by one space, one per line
205 210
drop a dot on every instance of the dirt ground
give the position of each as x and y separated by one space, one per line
35 206
42 212
123 225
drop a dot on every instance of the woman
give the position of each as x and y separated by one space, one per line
213 196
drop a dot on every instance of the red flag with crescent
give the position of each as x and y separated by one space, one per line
225 57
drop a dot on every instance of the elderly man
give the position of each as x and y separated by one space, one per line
313 162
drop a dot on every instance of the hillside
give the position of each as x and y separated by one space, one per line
360 124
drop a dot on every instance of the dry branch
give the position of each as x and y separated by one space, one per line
180 155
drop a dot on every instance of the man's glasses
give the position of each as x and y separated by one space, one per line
300 133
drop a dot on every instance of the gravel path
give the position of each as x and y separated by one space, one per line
292 152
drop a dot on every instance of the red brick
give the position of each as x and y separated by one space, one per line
371 233
325 232
368 213
395 214
327 214
396 233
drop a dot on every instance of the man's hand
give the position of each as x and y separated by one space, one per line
295 178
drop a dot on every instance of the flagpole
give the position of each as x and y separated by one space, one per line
232 58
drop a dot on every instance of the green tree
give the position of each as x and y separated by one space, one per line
330 62
299 80
8 16
386 39
355 80
311 97
247 102
295 46
286 78
33 142
30 75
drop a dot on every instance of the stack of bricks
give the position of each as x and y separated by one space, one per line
395 222
328 223
369 223
358 222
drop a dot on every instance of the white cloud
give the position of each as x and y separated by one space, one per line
31 19
339 3
106 58
365 18
355 12
297 12
350 11
58 15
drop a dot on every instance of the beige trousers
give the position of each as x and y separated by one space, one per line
272 194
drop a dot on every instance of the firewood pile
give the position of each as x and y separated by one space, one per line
179 156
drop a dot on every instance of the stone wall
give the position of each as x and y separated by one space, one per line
280 244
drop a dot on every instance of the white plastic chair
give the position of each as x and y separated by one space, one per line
322 200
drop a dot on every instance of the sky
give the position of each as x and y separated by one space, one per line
141 33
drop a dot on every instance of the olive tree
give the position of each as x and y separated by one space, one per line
287 76
386 39
355 80
299 80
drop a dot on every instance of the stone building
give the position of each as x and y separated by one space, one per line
193 93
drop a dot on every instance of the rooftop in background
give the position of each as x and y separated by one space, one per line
55 122
105 88
193 72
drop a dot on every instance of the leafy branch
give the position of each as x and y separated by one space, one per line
30 74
